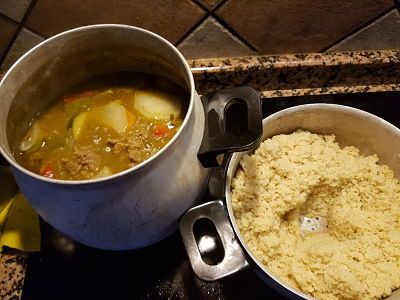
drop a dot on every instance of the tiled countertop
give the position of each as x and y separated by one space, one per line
272 76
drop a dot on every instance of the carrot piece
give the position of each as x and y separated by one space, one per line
161 131
47 172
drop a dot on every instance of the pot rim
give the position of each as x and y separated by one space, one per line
142 164
230 174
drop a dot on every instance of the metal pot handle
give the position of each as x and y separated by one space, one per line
233 122
234 258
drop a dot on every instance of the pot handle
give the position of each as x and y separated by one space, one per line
233 122
233 259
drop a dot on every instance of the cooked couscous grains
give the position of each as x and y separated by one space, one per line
305 174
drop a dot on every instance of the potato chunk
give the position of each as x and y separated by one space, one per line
157 105
112 115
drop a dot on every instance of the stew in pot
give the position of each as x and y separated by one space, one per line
103 126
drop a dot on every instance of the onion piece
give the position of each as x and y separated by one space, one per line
78 123
32 139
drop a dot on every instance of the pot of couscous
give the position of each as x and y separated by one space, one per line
314 209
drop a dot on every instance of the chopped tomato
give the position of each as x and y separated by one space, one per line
161 131
48 172
74 97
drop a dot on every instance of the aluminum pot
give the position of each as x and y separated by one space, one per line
352 127
141 205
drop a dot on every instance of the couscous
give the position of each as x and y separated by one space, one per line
306 175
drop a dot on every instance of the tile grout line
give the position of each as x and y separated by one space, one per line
218 5
233 32
359 28
192 29
35 32
223 23
215 7
12 40
8 18
198 23
21 25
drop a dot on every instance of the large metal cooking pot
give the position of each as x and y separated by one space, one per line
351 126
141 205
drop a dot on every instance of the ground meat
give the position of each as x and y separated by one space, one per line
132 146
83 163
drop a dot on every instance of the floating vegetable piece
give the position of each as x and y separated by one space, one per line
112 115
32 139
103 173
157 105
161 131
47 171
78 123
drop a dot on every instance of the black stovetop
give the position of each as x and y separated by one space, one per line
67 270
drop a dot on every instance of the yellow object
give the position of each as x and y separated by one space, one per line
19 225
78 122
4 214
8 187
290 177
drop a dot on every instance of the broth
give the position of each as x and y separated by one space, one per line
103 126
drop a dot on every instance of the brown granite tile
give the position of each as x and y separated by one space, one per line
384 33
301 73
371 88
7 30
26 40
12 274
287 26
171 19
14 9
211 39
